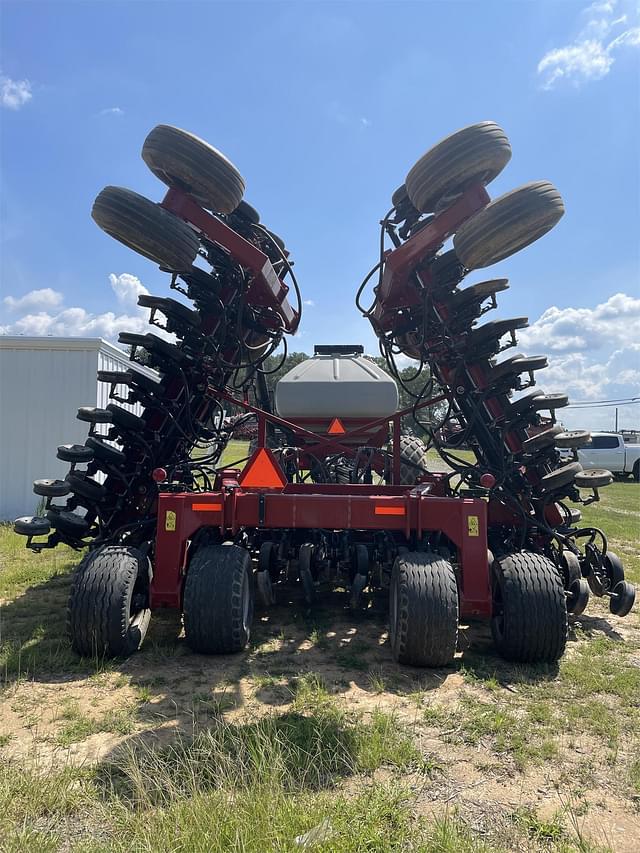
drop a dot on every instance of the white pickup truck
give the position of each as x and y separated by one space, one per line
609 450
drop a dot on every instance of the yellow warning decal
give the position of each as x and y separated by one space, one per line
170 520
473 525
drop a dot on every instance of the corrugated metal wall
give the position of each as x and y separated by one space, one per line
41 390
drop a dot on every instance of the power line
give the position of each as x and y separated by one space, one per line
622 401
605 405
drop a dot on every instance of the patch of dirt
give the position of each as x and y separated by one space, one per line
165 689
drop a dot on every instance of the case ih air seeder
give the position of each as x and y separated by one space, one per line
333 493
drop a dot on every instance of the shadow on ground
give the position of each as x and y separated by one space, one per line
347 651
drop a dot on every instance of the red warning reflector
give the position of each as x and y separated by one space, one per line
206 507
336 428
390 510
263 471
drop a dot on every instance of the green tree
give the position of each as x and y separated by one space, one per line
414 384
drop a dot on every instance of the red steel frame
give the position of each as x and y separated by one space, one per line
266 288
404 512
328 507
395 290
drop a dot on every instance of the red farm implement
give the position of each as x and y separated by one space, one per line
333 492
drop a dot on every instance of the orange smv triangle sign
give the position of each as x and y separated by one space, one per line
336 428
263 471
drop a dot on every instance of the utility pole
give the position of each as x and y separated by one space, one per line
616 419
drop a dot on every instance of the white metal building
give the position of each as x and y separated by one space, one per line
43 382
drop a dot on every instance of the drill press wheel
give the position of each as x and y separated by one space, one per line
183 160
508 224
146 228
474 155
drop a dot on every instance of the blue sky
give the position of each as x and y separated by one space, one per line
324 107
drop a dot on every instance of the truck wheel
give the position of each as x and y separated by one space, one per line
146 228
181 159
473 155
636 471
423 610
218 599
412 458
108 612
508 224
529 609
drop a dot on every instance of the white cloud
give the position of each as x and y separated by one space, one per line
127 288
34 300
42 319
614 323
594 354
111 111
14 93
592 53
309 303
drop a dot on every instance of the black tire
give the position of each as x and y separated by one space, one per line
400 196
473 155
573 439
245 211
507 371
268 560
218 599
423 610
93 415
623 598
172 309
578 597
31 525
412 459
478 292
508 224
74 453
108 613
305 570
636 471
68 523
126 419
146 228
265 593
106 452
51 488
529 620
594 478
181 159
560 478
541 439
86 487
519 406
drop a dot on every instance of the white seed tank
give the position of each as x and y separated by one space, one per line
337 382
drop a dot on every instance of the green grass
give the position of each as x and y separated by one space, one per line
20 569
254 785
618 514
250 787
77 725
234 452
498 726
